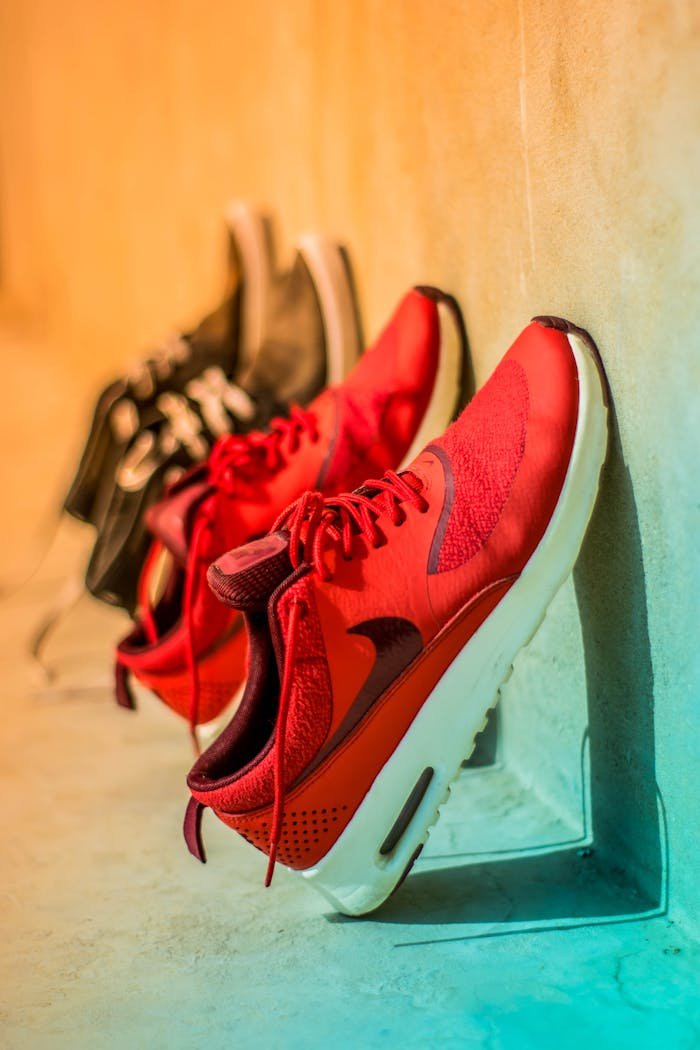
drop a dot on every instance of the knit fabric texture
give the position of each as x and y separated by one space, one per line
485 447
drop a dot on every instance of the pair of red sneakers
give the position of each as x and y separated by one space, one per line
380 621
187 646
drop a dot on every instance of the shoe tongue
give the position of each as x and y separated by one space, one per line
246 577
170 520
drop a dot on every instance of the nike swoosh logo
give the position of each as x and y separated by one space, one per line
441 527
397 643
394 711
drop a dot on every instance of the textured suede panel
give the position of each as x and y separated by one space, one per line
484 457
308 718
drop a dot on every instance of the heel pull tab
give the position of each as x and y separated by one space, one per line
192 829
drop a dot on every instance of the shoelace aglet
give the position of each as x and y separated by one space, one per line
271 862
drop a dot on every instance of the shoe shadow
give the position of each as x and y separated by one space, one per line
566 884
611 594
624 873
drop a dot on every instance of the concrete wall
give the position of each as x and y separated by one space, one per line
532 157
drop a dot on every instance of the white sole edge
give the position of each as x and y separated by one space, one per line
445 398
326 263
252 232
354 876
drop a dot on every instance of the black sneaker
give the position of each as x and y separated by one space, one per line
225 339
311 338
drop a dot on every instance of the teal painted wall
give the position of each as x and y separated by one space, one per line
616 233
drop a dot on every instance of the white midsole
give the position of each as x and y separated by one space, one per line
447 390
328 268
252 233
354 876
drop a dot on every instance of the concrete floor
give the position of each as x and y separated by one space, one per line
506 934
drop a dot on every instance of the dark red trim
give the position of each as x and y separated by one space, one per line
441 529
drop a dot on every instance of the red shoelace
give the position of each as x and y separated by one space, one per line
315 524
233 457
243 455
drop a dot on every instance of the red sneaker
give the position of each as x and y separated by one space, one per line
374 662
191 649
